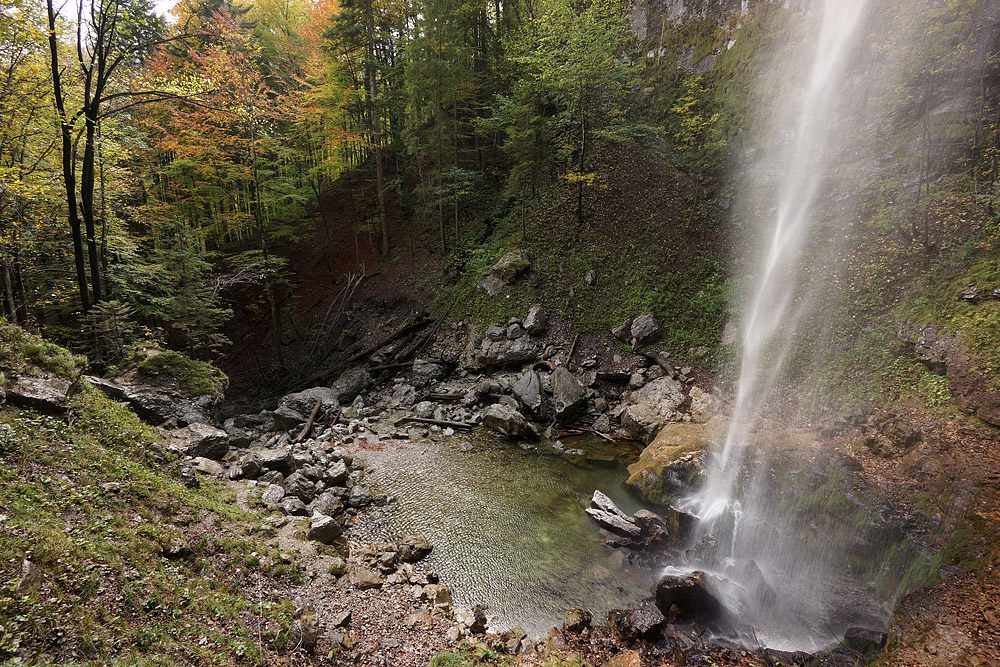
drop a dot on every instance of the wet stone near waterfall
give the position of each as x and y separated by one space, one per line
694 596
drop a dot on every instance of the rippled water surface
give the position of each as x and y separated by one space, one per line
508 526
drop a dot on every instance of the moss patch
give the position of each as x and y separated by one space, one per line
193 377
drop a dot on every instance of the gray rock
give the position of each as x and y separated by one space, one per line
300 486
528 391
272 495
292 506
491 284
641 422
590 278
425 372
515 331
413 548
536 321
506 421
645 330
200 440
323 528
351 384
506 352
509 267
336 473
567 394
364 578
704 405
359 497
424 409
495 333
208 466
278 459
602 424
438 594
403 395
329 503
294 409
45 394
623 331
156 405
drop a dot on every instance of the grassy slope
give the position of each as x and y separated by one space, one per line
137 569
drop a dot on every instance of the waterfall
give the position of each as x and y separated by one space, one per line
781 579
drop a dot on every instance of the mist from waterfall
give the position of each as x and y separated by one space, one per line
782 580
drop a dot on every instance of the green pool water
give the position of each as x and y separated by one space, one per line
508 525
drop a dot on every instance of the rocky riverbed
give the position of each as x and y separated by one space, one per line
323 462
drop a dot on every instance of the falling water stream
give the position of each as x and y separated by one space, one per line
781 584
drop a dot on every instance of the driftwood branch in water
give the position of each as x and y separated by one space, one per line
589 431
435 422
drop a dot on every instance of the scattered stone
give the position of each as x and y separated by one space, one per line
208 467
528 391
602 424
501 353
323 529
506 421
413 549
625 659
623 331
516 635
45 394
631 625
278 459
352 384
364 578
864 640
342 619
31 576
292 506
704 405
453 634
200 440
424 372
645 330
577 620
300 486
338 566
567 394
420 617
536 321
294 409
439 595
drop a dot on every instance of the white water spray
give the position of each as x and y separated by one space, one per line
780 579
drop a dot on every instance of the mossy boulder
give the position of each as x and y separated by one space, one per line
675 460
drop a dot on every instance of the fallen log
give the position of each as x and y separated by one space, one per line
414 325
661 361
435 422
304 433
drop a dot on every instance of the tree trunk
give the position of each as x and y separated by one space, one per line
69 169
376 125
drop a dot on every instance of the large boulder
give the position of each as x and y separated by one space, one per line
323 528
352 383
157 405
651 407
294 409
536 321
500 353
694 596
645 330
506 421
704 405
507 269
413 548
277 459
425 372
528 391
45 394
200 440
567 394
674 461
